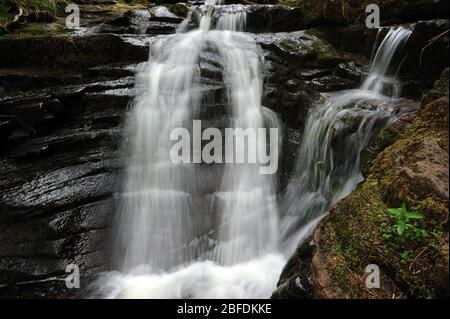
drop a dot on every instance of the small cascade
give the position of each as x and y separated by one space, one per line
336 132
386 62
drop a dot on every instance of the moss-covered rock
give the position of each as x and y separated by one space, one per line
359 231
439 89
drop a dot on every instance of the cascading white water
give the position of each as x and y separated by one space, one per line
336 132
249 226
382 77
164 246
155 203
180 234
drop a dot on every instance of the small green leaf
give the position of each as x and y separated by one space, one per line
401 227
394 212
415 215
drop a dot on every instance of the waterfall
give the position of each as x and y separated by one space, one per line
385 64
193 230
199 230
336 132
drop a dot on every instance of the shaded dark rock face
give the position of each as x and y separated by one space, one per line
57 169
414 10
61 112
69 52
428 51
340 13
274 18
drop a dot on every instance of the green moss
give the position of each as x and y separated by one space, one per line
439 89
385 138
395 187
326 54
33 29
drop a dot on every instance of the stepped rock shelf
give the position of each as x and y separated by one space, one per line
67 96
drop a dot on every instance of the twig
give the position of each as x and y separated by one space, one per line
246 2
14 22
415 258
430 42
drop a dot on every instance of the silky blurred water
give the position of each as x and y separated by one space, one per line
165 245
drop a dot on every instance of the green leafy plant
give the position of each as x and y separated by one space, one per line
402 217
405 226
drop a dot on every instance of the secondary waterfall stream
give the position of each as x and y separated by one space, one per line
214 231
336 132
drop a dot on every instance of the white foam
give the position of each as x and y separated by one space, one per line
254 279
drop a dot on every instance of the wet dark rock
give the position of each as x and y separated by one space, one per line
292 138
428 50
59 158
273 18
300 48
406 112
156 20
295 279
309 74
350 72
70 52
292 60
332 83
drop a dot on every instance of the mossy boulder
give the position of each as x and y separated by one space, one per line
412 172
